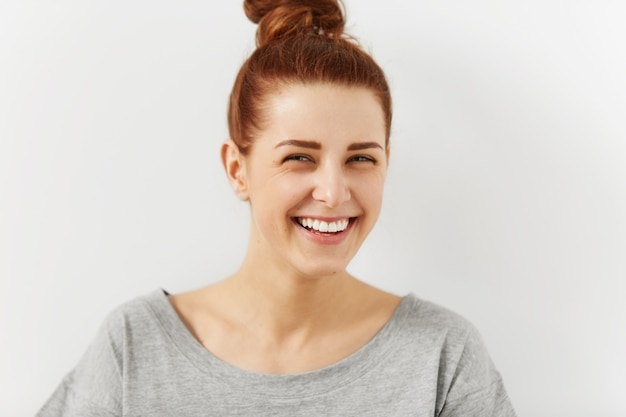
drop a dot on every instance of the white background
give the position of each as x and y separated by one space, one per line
506 196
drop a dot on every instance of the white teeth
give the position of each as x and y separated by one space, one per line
322 226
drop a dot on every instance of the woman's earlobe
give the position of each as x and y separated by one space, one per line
234 165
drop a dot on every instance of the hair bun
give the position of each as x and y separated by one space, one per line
281 18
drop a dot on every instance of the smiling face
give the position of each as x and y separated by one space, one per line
314 177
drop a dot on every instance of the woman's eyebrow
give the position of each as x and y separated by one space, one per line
300 143
364 145
357 146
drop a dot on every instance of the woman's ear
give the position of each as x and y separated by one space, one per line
235 168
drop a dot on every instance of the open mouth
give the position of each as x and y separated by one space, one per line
324 227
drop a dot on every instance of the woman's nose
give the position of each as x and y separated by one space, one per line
331 186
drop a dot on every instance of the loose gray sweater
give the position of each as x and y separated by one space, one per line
426 361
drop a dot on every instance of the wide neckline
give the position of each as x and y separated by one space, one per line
298 385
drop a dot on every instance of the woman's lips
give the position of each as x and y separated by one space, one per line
316 231
324 226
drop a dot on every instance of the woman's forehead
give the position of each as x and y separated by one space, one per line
323 107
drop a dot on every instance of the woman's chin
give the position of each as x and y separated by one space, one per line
317 271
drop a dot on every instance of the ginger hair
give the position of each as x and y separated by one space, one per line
298 42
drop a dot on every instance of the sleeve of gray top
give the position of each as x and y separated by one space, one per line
476 389
94 387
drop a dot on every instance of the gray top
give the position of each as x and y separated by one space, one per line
426 361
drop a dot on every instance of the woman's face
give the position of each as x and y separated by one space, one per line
314 176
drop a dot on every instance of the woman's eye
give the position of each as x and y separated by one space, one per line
361 158
298 157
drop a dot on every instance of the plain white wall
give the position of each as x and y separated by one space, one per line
506 197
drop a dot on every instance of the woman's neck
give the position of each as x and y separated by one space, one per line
285 304
263 320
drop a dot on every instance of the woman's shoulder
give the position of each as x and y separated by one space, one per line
137 316
139 308
95 384
436 340
427 329
425 317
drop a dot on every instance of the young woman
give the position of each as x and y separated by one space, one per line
291 333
